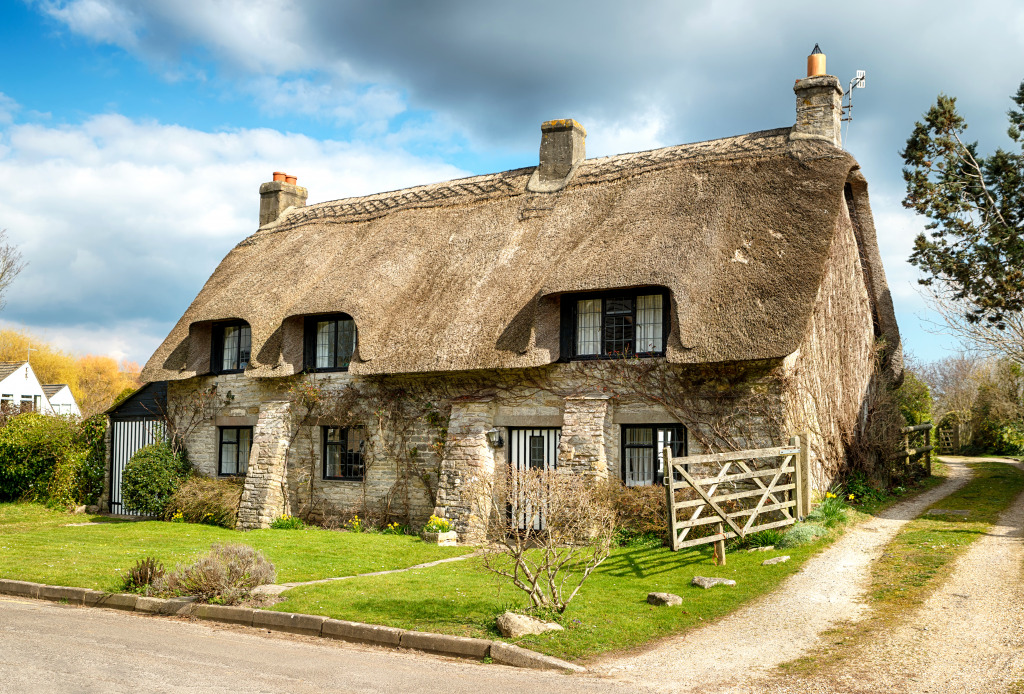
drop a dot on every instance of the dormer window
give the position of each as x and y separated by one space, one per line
232 347
330 342
617 324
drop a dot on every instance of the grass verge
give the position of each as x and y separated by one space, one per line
36 544
916 561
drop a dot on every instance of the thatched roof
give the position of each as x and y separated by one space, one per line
467 274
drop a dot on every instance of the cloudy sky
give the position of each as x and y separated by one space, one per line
134 134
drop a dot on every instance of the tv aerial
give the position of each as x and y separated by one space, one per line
858 82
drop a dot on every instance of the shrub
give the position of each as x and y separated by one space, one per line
801 534
143 575
832 509
204 500
287 522
151 478
227 575
437 525
53 460
639 513
762 538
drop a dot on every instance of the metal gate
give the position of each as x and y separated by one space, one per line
126 437
533 449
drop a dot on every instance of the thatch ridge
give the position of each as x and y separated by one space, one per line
468 274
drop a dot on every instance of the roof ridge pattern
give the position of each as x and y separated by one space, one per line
513 182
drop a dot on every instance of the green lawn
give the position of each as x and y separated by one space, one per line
36 545
610 612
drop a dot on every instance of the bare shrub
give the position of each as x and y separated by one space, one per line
227 575
143 575
550 531
205 500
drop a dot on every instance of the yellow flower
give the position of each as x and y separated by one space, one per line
830 495
852 497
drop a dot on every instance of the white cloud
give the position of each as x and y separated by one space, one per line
106 21
122 221
8 107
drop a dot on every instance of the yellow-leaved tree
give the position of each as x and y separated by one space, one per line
95 381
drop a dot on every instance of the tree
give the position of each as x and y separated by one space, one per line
11 264
101 379
975 250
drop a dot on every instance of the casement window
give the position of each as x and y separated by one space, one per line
643 448
343 453
330 342
235 444
232 347
610 325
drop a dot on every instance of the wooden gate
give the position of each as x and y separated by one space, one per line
785 495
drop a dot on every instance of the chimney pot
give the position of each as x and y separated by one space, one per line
278 195
816 63
562 147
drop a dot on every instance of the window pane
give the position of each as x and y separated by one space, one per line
230 360
244 346
333 461
346 342
618 326
244 444
355 439
325 344
639 468
588 326
649 323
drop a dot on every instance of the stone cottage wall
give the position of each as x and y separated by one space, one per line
285 472
831 374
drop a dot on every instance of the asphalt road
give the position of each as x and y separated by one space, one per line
47 647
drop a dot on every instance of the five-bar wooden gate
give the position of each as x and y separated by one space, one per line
783 492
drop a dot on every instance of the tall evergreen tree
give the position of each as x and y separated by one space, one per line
974 251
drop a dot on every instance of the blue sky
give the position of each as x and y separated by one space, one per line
134 135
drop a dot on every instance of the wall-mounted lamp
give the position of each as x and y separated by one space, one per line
494 438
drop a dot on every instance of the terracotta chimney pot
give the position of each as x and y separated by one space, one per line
290 179
279 175
816 63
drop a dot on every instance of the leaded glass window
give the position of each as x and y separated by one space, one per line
619 325
330 342
343 453
235 444
643 447
232 347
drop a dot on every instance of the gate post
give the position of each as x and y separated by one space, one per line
798 476
670 499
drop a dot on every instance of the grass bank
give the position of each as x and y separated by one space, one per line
37 544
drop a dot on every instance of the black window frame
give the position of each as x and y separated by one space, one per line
683 447
220 451
324 443
309 342
569 318
217 356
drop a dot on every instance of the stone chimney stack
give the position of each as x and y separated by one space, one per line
819 103
562 147
278 195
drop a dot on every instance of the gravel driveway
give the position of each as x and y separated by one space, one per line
733 654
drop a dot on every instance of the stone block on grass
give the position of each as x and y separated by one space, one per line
775 560
512 625
706 582
664 599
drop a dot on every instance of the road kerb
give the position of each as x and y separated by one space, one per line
312 625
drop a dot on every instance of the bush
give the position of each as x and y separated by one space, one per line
151 478
53 460
801 534
204 500
227 575
287 522
832 509
639 514
763 538
143 575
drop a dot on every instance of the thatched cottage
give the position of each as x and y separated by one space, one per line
373 354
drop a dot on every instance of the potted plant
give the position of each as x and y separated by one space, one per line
439 531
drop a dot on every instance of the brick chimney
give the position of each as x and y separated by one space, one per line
562 147
278 195
819 103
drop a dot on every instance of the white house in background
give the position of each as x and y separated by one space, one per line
61 400
20 389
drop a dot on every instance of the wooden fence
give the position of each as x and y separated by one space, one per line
916 454
786 495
